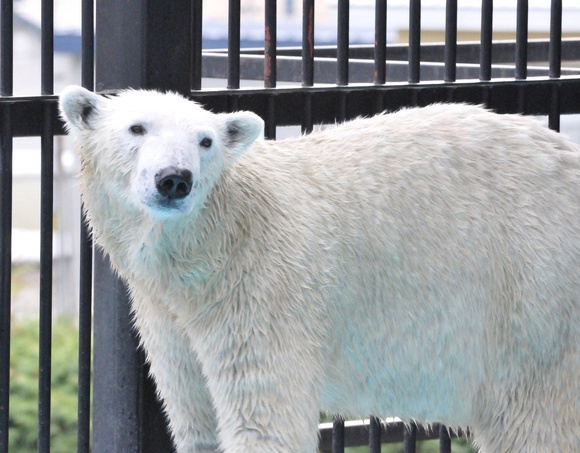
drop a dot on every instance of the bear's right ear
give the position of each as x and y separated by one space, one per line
79 107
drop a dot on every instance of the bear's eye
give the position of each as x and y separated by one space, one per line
206 142
137 129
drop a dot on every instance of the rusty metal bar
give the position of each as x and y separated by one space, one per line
270 44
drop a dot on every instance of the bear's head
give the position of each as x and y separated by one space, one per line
153 152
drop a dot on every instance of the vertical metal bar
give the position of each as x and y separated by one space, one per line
5 266
414 41
341 110
338 435
380 75
6 89
85 336
444 440
521 51
270 44
45 321
522 40
46 228
86 257
233 103
451 41
270 54
375 435
486 40
307 62
47 47
342 42
307 125
88 44
555 51
308 43
156 438
342 51
555 57
197 41
554 116
270 121
410 438
6 47
234 24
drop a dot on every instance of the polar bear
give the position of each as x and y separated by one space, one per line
422 264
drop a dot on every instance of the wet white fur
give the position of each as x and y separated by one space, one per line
423 264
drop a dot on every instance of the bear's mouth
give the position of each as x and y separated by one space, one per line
168 207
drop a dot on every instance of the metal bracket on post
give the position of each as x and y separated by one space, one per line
139 44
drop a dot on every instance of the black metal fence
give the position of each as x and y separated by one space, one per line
156 44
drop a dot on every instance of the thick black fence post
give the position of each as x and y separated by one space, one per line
139 44
117 365
144 44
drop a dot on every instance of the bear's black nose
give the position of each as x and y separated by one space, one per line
174 183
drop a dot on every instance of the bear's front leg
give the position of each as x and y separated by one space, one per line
178 378
265 382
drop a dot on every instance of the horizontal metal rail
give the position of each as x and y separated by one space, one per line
467 51
502 96
432 66
361 432
362 100
360 70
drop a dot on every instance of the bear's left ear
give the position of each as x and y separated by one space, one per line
241 129
79 107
